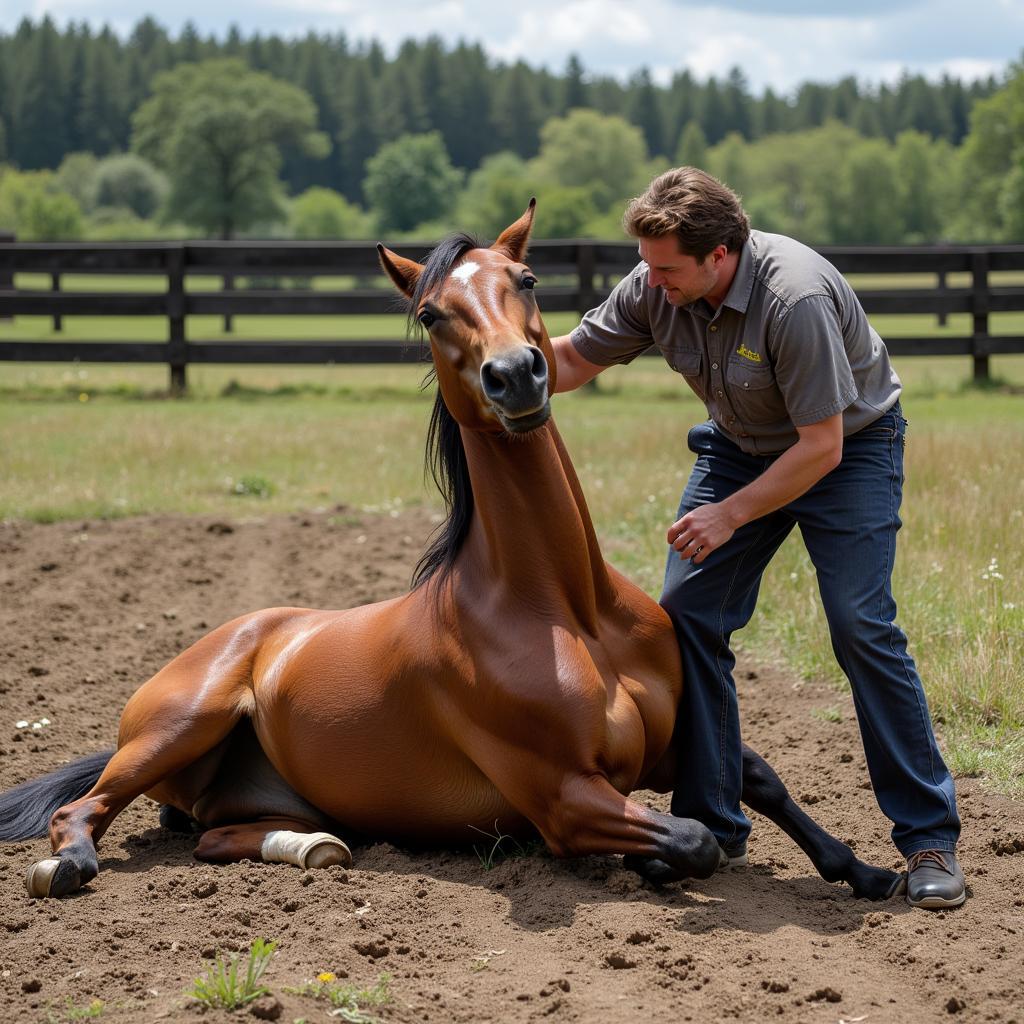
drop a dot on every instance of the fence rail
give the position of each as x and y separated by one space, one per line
588 267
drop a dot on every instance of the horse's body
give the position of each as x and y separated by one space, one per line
523 684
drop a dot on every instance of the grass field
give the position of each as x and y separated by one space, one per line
80 441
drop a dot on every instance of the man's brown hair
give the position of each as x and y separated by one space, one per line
692 205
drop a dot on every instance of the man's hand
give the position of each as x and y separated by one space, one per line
702 530
817 452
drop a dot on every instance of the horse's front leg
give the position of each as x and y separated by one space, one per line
588 815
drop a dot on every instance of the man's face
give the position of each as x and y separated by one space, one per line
682 278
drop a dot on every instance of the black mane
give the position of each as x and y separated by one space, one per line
445 456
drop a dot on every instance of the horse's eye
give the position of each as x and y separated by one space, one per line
426 318
528 282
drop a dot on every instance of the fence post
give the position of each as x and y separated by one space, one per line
943 316
586 297
979 313
6 275
58 320
177 350
228 285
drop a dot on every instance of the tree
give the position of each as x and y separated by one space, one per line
77 177
131 183
495 194
32 207
39 135
216 129
643 109
323 213
516 110
992 154
411 180
693 146
574 90
605 154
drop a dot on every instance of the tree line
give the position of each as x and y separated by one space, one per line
214 147
76 89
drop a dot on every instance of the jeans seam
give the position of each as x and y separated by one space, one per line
922 716
928 844
723 684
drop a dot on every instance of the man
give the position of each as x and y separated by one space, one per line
805 428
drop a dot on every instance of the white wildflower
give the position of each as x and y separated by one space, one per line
22 724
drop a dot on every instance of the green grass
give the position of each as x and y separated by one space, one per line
225 986
306 437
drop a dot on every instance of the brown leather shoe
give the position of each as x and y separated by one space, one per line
934 880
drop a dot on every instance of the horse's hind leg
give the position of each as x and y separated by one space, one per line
185 710
764 792
273 841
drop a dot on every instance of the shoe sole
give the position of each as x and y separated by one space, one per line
937 902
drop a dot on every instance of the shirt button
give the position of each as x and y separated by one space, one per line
719 393
714 366
746 383
713 327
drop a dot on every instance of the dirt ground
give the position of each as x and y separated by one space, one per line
88 610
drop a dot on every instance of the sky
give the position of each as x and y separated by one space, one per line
777 43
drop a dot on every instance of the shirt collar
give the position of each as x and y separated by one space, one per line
738 296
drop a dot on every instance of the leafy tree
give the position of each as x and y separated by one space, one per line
605 154
495 194
32 207
917 188
129 182
323 213
693 147
411 180
992 155
216 129
77 176
563 211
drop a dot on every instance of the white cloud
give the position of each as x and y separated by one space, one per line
775 42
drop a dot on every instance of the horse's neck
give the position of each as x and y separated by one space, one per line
531 530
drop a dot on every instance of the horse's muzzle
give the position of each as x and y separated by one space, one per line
516 385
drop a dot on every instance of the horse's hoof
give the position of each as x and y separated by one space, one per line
40 876
305 849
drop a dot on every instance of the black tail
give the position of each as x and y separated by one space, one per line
25 811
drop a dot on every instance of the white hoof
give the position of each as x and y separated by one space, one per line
39 877
305 849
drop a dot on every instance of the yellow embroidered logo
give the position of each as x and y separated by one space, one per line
754 357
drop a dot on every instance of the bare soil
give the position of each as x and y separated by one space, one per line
88 610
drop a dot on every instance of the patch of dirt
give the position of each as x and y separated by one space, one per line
89 610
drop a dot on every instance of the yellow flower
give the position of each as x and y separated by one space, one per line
326 976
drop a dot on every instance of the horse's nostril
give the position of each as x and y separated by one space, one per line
494 382
540 366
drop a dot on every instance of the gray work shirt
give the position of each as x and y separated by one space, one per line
790 344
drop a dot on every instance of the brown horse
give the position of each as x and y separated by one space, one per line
521 682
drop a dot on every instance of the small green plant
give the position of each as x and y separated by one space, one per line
224 986
253 486
71 1012
348 1001
489 857
832 714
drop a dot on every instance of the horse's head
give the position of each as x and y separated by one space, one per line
491 350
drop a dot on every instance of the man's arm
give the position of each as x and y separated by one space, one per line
571 368
817 452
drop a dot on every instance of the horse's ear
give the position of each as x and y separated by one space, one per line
513 240
405 273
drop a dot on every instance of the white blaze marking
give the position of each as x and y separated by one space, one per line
465 271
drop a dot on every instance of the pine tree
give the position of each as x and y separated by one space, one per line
357 138
40 135
643 108
574 89
516 111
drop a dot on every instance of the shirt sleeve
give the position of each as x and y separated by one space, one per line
811 367
619 329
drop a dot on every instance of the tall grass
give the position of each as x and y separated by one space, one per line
354 435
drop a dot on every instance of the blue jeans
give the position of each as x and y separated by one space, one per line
848 521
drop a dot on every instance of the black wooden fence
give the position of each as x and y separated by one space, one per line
579 275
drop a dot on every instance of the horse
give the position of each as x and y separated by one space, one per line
522 683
